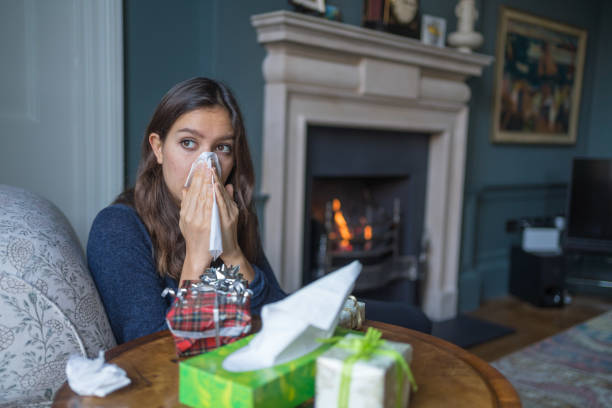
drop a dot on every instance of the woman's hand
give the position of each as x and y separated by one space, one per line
196 210
228 214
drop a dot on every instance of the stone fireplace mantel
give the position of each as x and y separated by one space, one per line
319 72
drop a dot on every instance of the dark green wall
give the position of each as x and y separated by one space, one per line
512 181
166 42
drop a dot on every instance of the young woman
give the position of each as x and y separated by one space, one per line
156 235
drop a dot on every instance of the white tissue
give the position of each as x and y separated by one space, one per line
205 158
215 246
291 326
94 377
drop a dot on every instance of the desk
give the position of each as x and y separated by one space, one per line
448 376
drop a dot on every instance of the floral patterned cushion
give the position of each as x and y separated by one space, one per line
49 306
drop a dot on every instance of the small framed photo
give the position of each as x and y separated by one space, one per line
433 30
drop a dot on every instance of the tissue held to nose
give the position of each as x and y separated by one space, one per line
206 158
215 239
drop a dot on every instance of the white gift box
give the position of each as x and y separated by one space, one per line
373 383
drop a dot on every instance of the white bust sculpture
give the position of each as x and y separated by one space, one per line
465 38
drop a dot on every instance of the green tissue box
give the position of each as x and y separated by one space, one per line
204 383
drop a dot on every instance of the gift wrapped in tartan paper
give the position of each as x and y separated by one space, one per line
211 312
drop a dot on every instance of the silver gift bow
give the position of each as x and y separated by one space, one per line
352 314
223 280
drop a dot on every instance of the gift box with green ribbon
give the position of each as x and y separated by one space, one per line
364 371
204 383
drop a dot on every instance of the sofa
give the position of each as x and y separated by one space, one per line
49 305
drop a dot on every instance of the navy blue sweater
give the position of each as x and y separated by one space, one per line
120 258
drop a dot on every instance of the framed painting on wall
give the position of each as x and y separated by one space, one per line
538 78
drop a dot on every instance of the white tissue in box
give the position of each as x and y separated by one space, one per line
373 381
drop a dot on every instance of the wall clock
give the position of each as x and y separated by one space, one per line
396 16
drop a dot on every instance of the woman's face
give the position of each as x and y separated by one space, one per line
201 130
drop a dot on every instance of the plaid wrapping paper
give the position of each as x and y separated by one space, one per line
192 321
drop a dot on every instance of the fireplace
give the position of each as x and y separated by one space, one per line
365 200
328 76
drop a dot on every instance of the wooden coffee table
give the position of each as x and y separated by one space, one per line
447 375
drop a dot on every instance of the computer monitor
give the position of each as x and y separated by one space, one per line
589 224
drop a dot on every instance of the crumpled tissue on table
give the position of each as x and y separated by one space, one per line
215 241
94 377
291 327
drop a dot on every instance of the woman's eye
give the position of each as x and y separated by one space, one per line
224 148
188 144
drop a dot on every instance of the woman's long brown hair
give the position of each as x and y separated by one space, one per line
150 195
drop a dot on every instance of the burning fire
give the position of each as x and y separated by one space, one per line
367 232
345 232
343 228
336 205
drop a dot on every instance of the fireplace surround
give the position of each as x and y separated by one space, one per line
324 73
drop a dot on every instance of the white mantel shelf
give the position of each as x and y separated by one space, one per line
288 27
320 72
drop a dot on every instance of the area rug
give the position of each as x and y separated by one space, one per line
570 369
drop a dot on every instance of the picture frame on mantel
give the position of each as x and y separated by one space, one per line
433 30
538 79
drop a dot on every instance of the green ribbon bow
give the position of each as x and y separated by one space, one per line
364 347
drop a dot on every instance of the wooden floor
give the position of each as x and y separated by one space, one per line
531 323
